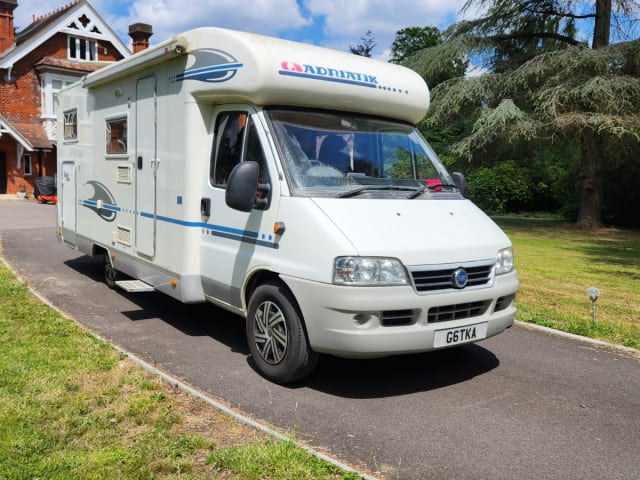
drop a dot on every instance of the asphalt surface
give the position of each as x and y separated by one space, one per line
525 404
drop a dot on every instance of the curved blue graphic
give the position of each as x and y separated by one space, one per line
211 66
108 210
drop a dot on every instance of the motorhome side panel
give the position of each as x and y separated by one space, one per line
134 170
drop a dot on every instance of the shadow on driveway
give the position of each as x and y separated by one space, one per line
349 378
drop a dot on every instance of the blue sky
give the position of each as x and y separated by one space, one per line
331 23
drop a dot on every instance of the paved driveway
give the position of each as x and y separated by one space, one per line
525 404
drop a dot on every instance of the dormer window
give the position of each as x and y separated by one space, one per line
82 49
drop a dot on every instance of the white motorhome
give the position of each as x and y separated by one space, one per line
285 183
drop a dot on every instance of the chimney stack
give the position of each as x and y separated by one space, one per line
7 33
140 33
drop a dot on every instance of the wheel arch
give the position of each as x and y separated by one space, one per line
263 276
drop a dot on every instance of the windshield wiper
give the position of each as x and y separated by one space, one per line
419 191
434 188
356 191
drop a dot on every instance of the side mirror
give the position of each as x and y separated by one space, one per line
460 182
242 186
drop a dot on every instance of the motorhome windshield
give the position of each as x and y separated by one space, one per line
342 155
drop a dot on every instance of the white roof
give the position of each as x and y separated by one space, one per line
244 67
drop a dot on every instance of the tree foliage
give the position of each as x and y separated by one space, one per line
365 48
543 87
411 40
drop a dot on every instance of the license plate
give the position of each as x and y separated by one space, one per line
458 335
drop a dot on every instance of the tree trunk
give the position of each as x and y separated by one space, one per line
602 25
589 187
589 212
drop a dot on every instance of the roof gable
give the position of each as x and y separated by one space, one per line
78 18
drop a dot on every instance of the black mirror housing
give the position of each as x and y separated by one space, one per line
242 186
460 182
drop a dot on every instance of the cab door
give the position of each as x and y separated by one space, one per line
234 241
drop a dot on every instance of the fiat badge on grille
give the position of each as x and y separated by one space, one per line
460 278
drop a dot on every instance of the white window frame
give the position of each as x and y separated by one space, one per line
91 49
49 93
70 123
124 153
28 167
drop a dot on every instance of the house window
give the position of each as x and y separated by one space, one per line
116 136
27 165
51 86
71 125
82 49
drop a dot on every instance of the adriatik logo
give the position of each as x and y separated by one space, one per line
328 74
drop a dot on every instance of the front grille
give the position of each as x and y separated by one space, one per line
429 280
396 318
457 312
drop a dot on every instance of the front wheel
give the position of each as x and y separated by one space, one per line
276 336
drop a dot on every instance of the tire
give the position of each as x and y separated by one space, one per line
111 275
276 336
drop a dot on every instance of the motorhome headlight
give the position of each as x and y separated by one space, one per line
504 261
368 271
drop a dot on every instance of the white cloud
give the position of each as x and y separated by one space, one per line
346 21
332 23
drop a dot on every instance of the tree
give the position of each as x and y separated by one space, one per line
407 49
543 85
411 40
365 48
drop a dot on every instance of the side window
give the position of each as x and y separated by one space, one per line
116 135
235 140
70 131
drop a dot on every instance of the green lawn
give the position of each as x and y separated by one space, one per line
71 407
557 262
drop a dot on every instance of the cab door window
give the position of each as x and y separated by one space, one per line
235 140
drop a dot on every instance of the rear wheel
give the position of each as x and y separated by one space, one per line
276 336
111 275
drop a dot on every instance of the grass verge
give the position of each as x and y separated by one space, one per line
557 262
73 407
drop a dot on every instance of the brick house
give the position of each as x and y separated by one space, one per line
55 50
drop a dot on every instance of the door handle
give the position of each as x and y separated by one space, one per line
140 162
205 207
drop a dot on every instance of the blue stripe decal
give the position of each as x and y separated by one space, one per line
211 229
214 68
105 206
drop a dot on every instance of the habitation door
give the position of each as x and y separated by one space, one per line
146 166
68 201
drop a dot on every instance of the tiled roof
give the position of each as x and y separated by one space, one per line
31 135
71 65
44 20
34 134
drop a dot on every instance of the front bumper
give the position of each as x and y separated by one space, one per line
362 322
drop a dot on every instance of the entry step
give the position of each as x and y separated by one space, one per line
134 286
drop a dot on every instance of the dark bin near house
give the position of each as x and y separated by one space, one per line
46 190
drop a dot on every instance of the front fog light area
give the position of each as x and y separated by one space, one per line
368 271
504 261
